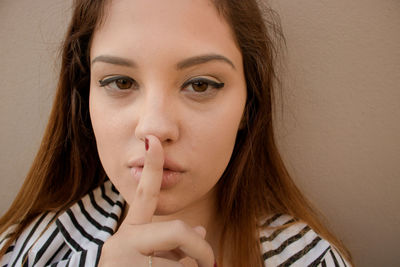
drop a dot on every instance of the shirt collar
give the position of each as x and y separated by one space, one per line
93 219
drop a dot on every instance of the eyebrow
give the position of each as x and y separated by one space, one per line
196 60
186 63
114 60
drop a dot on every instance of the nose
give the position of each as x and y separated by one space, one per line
157 117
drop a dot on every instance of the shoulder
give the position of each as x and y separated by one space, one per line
73 237
39 227
287 242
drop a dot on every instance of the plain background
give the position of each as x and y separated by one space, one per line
340 126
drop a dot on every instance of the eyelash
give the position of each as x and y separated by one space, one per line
107 81
210 83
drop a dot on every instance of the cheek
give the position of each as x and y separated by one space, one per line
213 141
109 131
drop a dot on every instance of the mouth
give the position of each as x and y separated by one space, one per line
169 165
169 177
172 172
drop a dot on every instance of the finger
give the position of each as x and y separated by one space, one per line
201 231
177 254
172 235
156 261
144 204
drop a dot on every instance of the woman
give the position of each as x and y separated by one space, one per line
160 148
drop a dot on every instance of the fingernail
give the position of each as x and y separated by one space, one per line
146 144
215 264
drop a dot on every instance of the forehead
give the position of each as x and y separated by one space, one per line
187 26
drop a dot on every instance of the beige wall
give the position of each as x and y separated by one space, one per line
339 131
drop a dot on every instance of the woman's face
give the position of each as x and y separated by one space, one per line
173 70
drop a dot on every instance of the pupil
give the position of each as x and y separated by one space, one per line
200 86
123 84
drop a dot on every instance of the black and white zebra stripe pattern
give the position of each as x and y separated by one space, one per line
75 237
296 245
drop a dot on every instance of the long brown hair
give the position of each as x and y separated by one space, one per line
255 183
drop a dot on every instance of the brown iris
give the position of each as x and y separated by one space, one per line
123 83
200 86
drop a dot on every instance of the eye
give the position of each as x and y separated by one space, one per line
118 83
201 85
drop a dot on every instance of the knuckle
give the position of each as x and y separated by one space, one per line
139 192
179 226
210 254
143 193
207 251
155 194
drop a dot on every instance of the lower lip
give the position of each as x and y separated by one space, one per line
169 179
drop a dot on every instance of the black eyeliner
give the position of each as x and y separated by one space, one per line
214 84
107 81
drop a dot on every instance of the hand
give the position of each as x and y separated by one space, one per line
138 237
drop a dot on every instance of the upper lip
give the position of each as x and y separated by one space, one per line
168 164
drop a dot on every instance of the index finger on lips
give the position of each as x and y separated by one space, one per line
145 201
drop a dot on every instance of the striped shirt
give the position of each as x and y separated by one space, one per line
296 245
75 237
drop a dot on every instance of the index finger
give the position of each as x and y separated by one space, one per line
144 203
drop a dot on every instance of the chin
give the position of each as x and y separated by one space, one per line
169 205
164 209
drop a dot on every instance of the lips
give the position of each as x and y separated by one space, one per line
168 165
172 172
